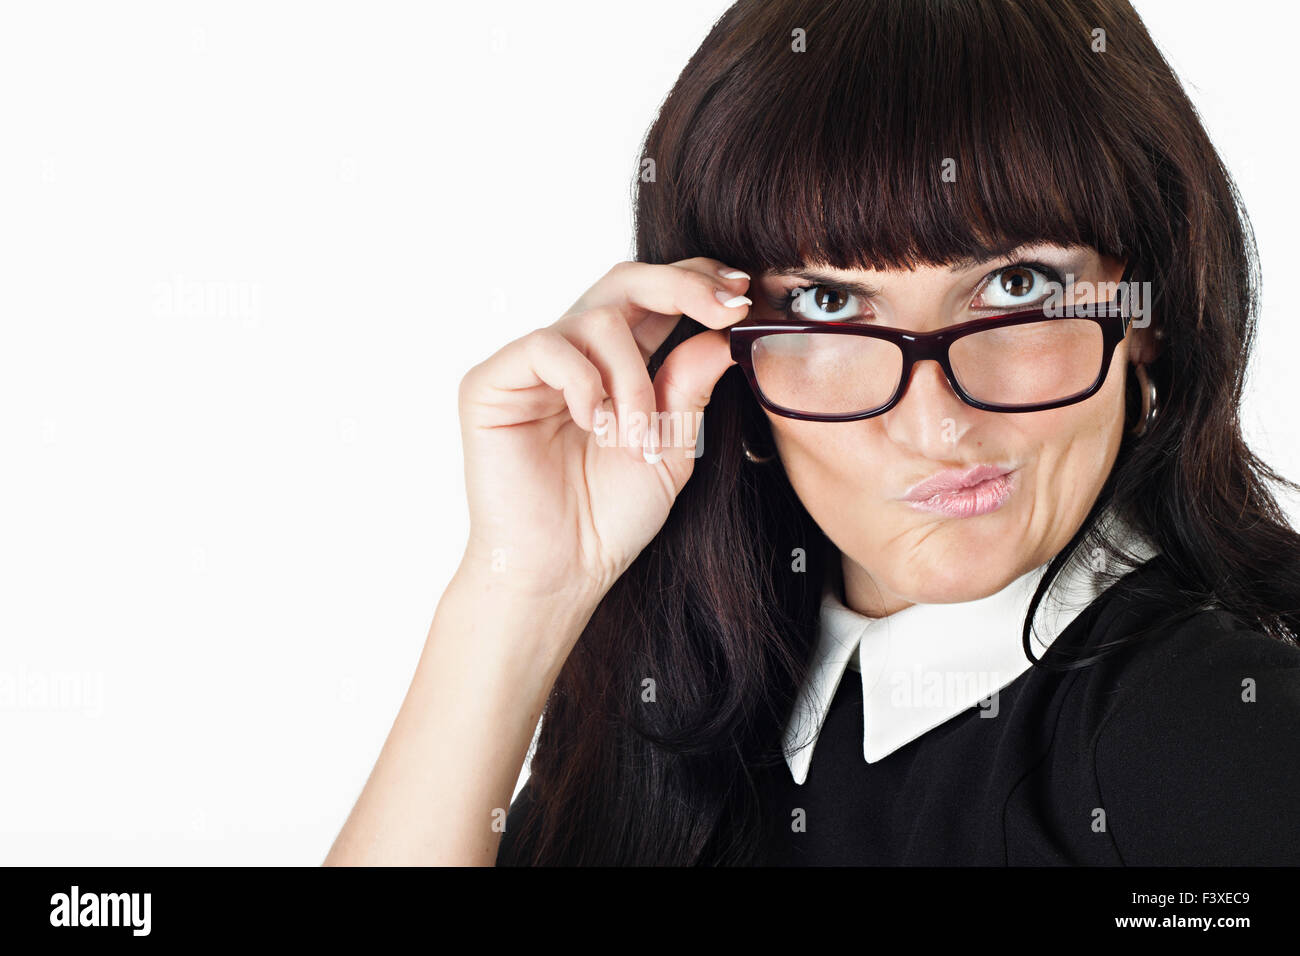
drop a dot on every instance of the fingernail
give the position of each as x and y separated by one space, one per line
650 446
733 274
731 301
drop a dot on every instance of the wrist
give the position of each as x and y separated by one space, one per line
544 588
513 620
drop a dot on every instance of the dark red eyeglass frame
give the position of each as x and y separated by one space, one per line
1112 316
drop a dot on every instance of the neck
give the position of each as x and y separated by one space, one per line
861 592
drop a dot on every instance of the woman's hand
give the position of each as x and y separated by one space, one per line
557 513
563 493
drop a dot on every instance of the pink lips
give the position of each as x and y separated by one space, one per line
964 494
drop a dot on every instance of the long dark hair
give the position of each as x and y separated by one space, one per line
769 156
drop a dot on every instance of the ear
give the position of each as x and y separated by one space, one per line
1145 344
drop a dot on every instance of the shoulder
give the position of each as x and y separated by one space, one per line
1197 758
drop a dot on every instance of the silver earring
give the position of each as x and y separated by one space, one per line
1149 404
756 459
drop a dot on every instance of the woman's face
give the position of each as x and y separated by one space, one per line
852 476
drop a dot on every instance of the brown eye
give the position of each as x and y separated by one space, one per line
829 300
1017 282
823 303
1016 286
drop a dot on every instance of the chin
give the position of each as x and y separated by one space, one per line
951 577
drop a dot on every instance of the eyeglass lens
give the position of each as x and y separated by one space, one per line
1030 364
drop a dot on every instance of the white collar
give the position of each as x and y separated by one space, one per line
927 663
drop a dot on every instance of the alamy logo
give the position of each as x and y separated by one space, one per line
101 909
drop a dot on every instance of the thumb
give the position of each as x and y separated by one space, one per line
683 386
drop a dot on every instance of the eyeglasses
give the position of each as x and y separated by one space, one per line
1024 361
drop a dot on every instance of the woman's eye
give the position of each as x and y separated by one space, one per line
822 303
1014 286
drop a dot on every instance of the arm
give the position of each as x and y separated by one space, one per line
560 504
463 731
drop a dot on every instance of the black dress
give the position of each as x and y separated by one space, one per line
1183 749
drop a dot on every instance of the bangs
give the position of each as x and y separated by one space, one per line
908 133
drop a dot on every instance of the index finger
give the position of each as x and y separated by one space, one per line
692 287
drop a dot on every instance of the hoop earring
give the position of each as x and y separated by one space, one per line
1149 401
756 459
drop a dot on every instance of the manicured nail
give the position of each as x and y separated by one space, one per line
733 274
732 301
650 449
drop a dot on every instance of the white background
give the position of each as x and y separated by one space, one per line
235 241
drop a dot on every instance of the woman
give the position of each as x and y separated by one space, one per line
685 612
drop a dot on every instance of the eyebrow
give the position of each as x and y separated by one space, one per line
1007 250
862 290
812 277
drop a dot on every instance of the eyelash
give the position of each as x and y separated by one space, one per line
784 304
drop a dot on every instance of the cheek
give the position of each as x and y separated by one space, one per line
1077 444
1102 416
829 463
810 447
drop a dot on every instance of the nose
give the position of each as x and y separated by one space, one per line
930 418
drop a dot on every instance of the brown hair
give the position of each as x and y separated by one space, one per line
768 157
